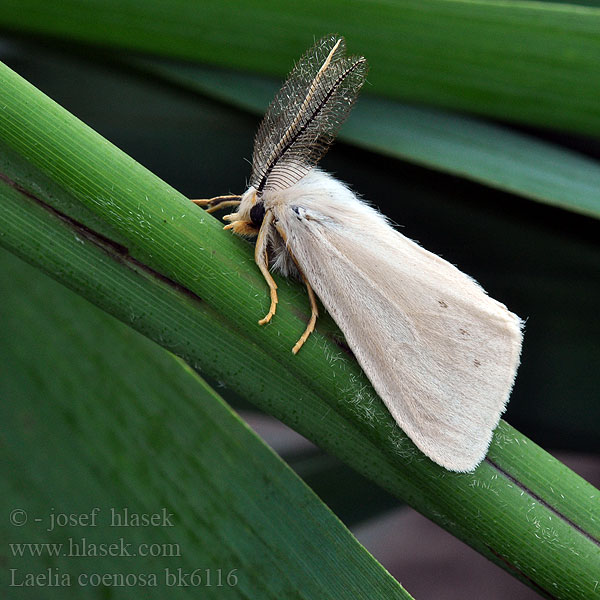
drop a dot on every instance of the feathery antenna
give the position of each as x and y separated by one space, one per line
306 114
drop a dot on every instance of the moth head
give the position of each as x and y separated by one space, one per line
248 218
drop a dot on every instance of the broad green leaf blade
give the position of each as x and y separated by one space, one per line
191 287
138 430
461 145
533 62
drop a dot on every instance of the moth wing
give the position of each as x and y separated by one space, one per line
440 352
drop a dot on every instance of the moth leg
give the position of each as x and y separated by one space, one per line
314 313
261 259
314 309
218 202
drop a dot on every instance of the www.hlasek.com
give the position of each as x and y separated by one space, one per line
82 547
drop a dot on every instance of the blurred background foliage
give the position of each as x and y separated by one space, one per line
542 261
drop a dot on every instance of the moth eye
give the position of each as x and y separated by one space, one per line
257 214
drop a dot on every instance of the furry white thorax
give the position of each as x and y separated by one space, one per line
324 198
319 197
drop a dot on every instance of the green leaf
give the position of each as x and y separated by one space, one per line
461 145
532 62
140 431
188 285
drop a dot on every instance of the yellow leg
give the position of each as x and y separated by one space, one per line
218 202
314 313
314 309
261 259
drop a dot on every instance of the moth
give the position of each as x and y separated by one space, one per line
441 353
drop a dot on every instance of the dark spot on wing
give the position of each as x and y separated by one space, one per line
477 363
442 304
464 332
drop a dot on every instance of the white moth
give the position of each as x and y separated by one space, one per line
438 350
